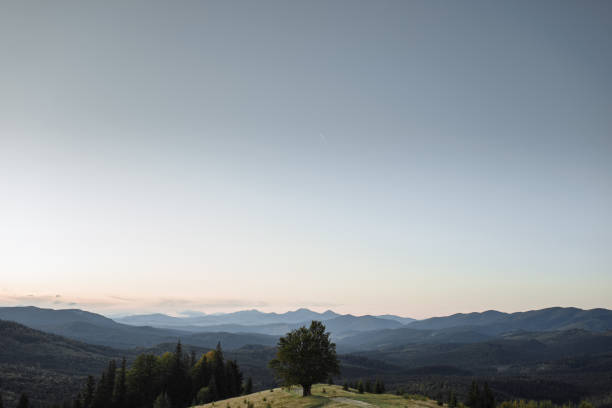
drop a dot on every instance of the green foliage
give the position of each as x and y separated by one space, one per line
162 401
345 386
360 387
120 391
379 387
248 387
305 357
540 404
478 399
171 380
452 400
205 396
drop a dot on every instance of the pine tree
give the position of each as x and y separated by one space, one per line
234 378
178 386
345 386
488 399
162 401
200 374
212 389
192 359
360 387
119 395
218 372
379 387
248 388
103 396
368 386
452 400
23 401
90 389
473 399
111 373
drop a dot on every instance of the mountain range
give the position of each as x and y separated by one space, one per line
550 319
350 332
242 318
233 329
568 357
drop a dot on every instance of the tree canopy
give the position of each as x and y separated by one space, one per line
305 356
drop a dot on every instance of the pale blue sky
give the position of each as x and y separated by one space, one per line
410 157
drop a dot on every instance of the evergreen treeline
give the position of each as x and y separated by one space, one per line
377 387
541 404
172 380
478 398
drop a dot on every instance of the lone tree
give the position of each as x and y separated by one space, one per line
305 357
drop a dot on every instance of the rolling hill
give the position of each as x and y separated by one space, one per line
389 338
255 321
240 318
49 367
493 322
96 329
332 396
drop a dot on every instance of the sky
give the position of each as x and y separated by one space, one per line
420 158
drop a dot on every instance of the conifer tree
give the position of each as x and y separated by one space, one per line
218 370
473 398
192 359
24 402
234 378
162 401
178 387
488 399
200 374
360 387
379 387
100 395
119 395
90 388
452 400
248 388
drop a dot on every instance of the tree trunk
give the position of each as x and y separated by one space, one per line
306 390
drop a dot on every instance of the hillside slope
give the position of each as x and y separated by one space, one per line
46 366
93 328
332 396
493 322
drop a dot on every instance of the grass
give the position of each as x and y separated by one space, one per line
332 396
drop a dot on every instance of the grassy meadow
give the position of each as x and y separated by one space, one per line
332 396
